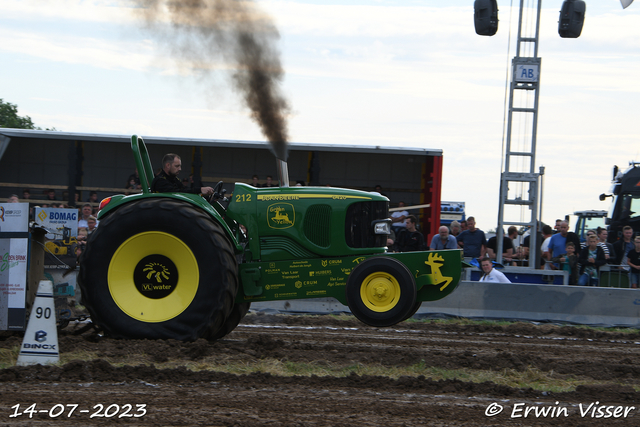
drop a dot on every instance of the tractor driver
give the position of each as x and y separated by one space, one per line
167 180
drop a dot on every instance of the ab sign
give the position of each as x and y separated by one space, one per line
527 73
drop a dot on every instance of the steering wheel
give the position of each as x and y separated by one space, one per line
218 192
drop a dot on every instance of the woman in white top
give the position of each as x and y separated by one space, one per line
490 274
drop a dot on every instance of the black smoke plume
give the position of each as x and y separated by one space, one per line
200 33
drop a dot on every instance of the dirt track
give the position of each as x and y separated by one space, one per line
183 397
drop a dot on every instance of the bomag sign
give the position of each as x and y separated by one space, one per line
281 215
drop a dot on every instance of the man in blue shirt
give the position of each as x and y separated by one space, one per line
558 242
472 240
443 240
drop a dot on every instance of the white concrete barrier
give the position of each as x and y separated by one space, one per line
512 301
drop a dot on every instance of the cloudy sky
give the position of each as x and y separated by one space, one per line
392 73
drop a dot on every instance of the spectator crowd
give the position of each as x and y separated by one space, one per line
557 248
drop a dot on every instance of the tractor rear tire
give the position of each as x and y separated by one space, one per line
237 314
381 291
159 268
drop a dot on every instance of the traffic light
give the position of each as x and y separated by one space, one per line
485 17
571 18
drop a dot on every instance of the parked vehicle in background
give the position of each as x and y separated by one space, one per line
625 204
585 221
452 211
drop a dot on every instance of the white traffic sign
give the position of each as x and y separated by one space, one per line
527 73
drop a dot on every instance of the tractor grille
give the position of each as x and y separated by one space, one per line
358 229
277 243
317 225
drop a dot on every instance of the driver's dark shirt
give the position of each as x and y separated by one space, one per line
165 183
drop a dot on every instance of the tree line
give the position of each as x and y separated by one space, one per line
9 118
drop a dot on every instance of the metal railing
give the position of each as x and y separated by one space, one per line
609 276
613 276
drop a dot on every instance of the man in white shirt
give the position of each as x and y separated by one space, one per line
398 218
546 233
87 211
490 274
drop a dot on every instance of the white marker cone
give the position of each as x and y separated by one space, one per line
40 343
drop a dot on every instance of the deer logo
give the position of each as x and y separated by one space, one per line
281 215
435 261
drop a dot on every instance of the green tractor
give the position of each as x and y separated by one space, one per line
174 265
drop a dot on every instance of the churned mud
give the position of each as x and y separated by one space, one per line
108 390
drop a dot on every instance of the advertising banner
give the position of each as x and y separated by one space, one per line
14 251
60 241
60 247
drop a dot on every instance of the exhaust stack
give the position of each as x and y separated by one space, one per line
283 172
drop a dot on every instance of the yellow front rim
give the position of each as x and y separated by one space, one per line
153 276
380 292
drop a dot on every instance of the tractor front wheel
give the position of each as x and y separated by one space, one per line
381 291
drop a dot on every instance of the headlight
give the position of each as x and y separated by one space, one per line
382 226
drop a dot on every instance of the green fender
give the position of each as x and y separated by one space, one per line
436 274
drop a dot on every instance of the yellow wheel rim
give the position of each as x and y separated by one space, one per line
380 292
153 277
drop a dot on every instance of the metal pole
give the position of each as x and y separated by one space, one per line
541 193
